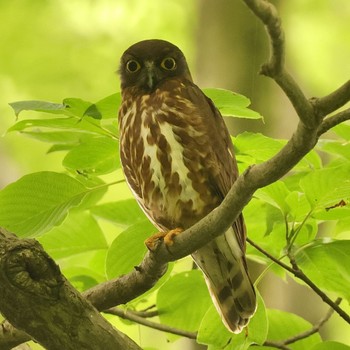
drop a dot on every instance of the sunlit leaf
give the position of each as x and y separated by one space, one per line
128 249
327 187
231 104
330 345
108 107
283 325
78 233
213 332
275 194
256 146
35 105
95 157
77 107
124 213
37 202
327 263
183 300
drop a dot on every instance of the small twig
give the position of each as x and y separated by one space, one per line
333 101
283 343
334 120
315 328
300 274
131 316
275 69
295 270
276 345
271 257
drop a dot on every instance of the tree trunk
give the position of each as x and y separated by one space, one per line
36 298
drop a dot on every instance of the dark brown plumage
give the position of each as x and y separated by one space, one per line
178 160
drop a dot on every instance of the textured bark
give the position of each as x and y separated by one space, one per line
35 297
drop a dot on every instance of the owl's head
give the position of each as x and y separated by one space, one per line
149 62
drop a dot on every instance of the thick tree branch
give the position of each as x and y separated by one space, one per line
275 69
35 296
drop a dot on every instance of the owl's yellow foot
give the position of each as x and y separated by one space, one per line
167 237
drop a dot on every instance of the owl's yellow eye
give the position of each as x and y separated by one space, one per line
132 66
168 63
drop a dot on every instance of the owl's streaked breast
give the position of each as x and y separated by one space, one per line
159 141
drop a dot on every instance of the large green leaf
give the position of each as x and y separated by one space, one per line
213 332
37 202
79 233
108 107
124 213
183 300
275 194
326 187
44 106
231 104
96 156
283 325
330 345
256 146
128 249
327 263
61 124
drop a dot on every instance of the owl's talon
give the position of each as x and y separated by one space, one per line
166 237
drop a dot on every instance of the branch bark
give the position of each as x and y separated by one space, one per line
35 296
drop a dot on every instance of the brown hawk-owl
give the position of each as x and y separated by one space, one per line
179 163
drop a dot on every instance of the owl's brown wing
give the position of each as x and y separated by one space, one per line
222 260
221 164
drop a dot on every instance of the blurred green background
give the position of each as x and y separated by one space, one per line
53 49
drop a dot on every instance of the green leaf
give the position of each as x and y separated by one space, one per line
343 130
77 107
330 345
213 332
55 137
327 263
257 146
35 105
66 124
108 107
183 300
37 202
339 148
275 194
231 104
124 213
79 233
96 156
327 187
128 249
283 325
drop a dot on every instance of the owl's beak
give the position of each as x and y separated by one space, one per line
150 74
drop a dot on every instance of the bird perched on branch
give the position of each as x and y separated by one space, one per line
179 162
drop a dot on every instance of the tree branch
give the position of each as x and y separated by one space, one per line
35 296
297 272
129 315
333 101
334 120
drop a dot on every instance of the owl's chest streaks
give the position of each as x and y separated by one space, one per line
162 154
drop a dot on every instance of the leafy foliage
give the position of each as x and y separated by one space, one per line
85 212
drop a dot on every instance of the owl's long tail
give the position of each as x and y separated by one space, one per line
223 264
